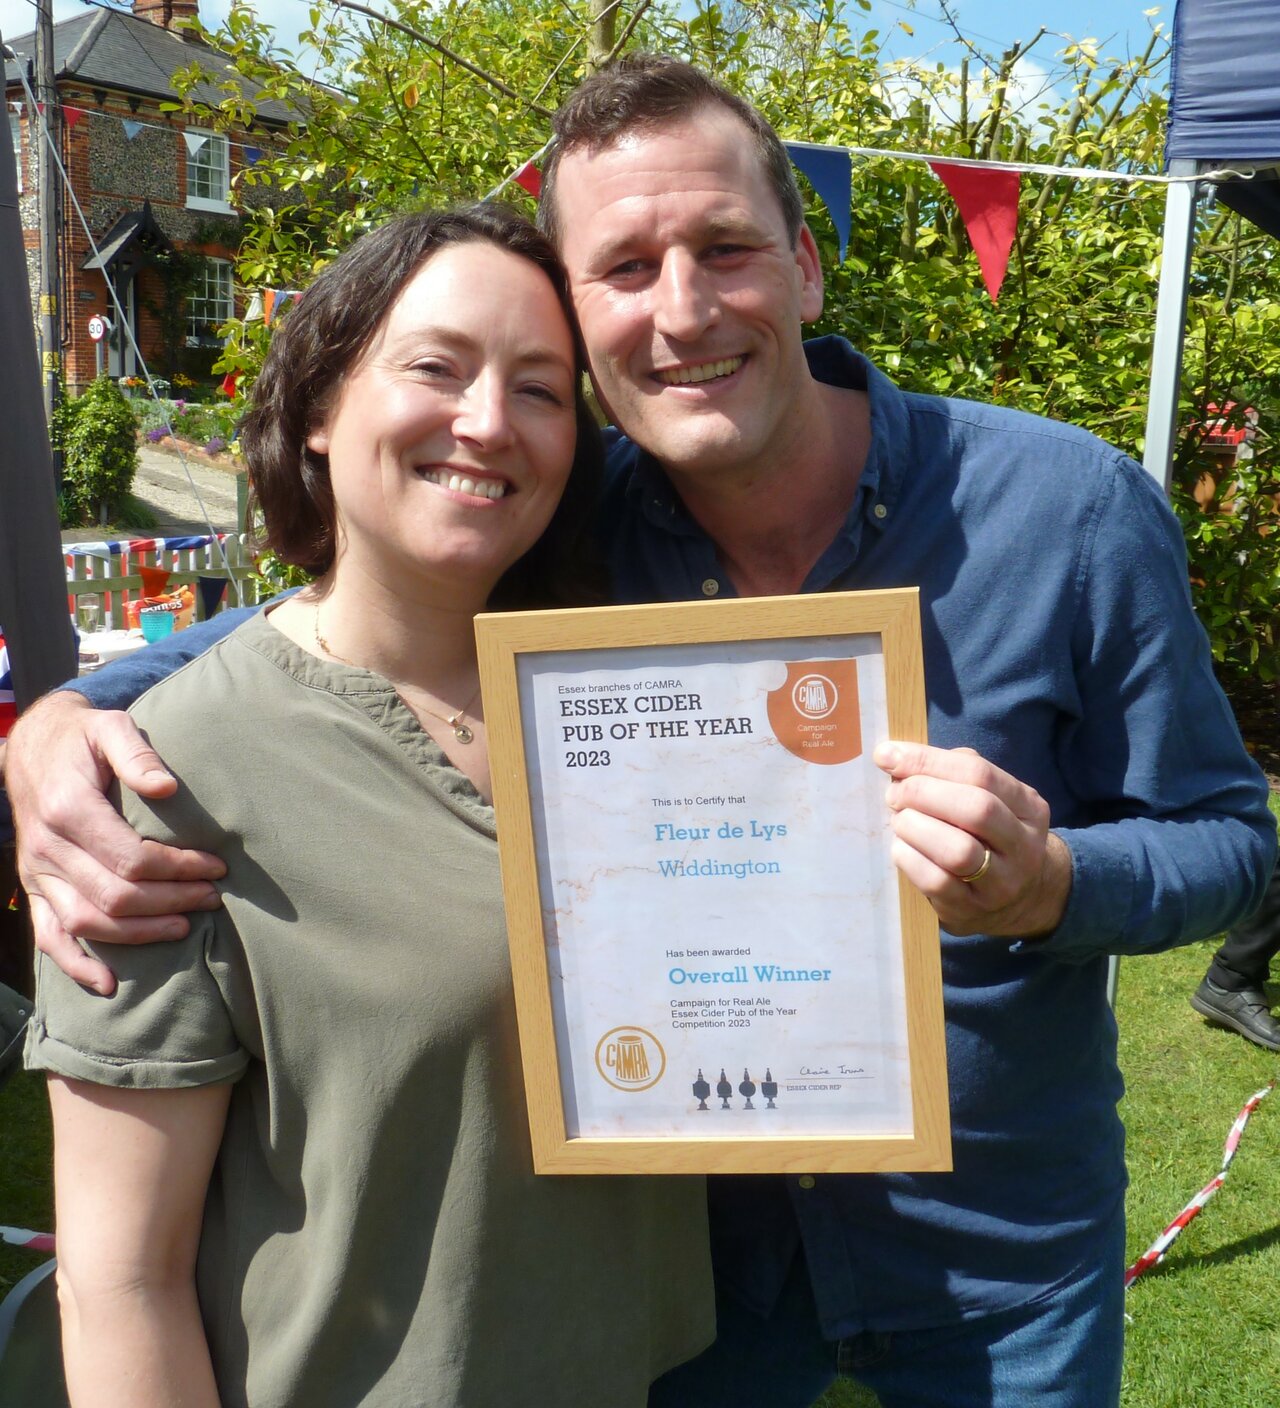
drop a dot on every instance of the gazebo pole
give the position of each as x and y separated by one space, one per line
1166 357
1171 319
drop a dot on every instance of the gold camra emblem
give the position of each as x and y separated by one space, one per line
630 1058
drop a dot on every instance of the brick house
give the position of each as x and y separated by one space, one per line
155 189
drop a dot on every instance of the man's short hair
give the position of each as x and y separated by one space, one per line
644 92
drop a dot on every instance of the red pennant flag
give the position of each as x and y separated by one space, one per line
72 115
530 178
988 202
228 387
154 580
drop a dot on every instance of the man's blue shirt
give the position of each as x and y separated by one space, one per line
1060 643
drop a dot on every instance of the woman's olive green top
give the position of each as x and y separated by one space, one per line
374 1233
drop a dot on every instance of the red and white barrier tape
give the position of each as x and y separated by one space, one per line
1154 1254
33 1241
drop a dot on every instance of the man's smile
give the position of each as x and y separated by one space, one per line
701 372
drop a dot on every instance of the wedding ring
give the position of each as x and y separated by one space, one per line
981 870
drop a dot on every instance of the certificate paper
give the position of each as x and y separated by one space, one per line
719 926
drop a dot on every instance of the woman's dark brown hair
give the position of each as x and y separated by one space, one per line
322 338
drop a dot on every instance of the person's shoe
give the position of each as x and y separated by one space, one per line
1245 1011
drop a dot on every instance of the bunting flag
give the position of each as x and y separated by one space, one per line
276 300
252 156
830 172
229 383
194 141
131 128
154 580
988 203
530 178
72 115
211 591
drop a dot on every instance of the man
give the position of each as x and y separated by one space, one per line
1232 994
1068 684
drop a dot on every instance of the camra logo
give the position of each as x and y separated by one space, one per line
630 1058
815 696
815 713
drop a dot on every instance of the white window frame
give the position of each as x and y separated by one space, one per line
15 133
224 300
216 144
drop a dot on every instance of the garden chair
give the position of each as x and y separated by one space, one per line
30 1344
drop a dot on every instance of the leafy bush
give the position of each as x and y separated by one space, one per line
1233 550
97 434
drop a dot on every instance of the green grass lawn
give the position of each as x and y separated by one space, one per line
1205 1325
26 1194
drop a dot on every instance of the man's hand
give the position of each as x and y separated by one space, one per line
88 873
950 807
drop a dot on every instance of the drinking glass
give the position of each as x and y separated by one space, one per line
89 612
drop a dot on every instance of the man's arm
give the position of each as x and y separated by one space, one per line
1179 843
88 873
131 1170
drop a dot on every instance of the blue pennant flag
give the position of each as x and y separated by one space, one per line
131 128
830 173
252 155
211 590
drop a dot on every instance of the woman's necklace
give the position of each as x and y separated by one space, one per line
461 731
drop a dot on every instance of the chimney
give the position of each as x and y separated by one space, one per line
165 12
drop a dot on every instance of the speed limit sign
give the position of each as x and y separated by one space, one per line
97 328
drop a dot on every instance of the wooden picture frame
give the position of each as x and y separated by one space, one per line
695 865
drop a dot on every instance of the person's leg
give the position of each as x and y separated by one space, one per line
778 1362
1245 958
1063 1350
1231 994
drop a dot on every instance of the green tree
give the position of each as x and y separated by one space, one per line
97 434
446 100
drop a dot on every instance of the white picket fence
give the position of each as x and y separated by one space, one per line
111 570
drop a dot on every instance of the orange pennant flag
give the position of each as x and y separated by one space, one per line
988 202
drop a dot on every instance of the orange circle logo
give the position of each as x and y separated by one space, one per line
630 1058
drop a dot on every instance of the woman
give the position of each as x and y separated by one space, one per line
292 1163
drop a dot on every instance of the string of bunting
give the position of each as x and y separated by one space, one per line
985 192
133 126
1155 1253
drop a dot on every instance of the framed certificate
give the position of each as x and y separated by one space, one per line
717 967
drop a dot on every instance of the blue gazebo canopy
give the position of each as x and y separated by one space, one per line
1224 99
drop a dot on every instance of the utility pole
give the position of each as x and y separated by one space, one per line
50 304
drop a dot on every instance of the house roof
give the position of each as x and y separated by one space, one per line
136 227
111 49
